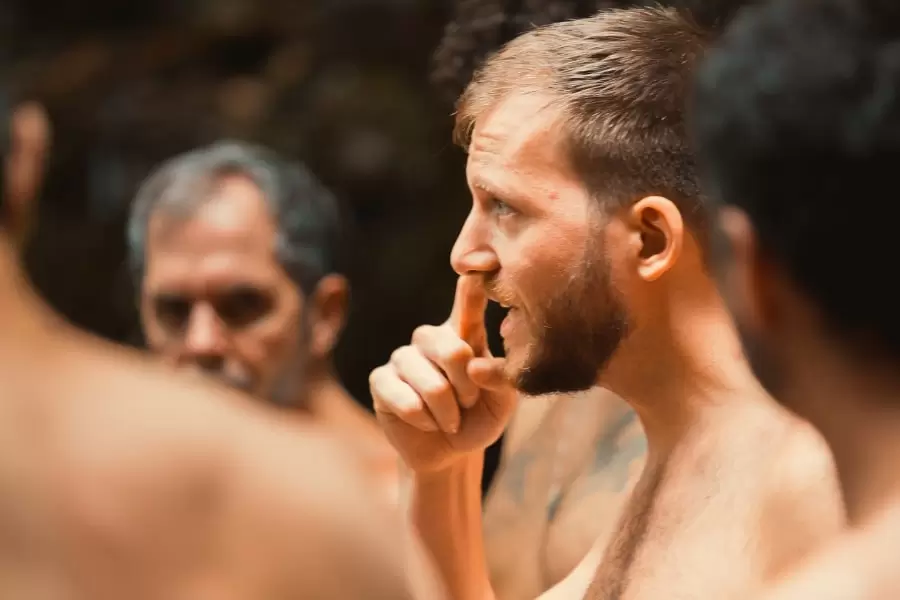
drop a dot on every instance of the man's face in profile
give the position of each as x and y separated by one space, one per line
537 237
216 300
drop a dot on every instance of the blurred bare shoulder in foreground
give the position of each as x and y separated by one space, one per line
861 565
119 480
827 349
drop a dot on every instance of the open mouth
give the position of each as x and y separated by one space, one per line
506 326
494 316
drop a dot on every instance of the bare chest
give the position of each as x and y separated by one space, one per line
685 533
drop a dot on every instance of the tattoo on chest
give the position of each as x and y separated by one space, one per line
515 474
617 451
615 454
605 469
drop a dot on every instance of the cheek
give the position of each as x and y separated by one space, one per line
276 338
541 264
155 336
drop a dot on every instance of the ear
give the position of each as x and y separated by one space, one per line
660 232
745 279
24 167
328 306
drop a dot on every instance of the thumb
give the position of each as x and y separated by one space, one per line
489 373
467 314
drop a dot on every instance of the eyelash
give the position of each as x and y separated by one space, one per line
501 208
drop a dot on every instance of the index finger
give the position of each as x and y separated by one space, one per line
469 304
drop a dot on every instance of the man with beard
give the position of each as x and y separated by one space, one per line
798 121
120 480
237 255
567 464
588 223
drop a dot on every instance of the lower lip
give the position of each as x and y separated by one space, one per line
506 325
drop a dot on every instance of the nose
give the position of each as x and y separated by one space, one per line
472 252
205 341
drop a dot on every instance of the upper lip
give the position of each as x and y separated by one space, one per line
494 298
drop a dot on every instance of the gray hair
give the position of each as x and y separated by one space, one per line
306 214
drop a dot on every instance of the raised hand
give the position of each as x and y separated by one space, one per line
444 396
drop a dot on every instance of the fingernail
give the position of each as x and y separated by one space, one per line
430 427
454 428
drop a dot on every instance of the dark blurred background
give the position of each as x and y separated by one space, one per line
348 86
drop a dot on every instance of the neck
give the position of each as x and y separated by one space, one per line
682 366
323 392
857 409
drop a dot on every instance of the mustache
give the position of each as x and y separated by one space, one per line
242 383
498 293
239 381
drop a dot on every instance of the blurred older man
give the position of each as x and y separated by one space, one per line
238 257
120 480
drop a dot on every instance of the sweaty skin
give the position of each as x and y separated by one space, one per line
119 480
568 466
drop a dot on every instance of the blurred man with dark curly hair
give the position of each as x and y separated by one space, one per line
798 119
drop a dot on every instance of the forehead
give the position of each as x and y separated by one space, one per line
520 142
228 238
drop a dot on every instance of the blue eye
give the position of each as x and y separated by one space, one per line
501 208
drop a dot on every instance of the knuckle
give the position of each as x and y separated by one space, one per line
423 334
399 355
458 351
376 374
410 411
438 389
379 382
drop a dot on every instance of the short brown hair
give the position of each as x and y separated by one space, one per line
622 79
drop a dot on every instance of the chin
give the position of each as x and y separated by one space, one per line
550 374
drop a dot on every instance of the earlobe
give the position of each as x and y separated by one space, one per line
28 144
744 278
661 230
329 306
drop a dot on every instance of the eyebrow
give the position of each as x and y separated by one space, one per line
486 185
181 292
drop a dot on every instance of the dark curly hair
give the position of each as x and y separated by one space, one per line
481 27
797 122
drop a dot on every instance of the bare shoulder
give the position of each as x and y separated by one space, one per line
858 565
805 476
304 499
248 500
804 508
